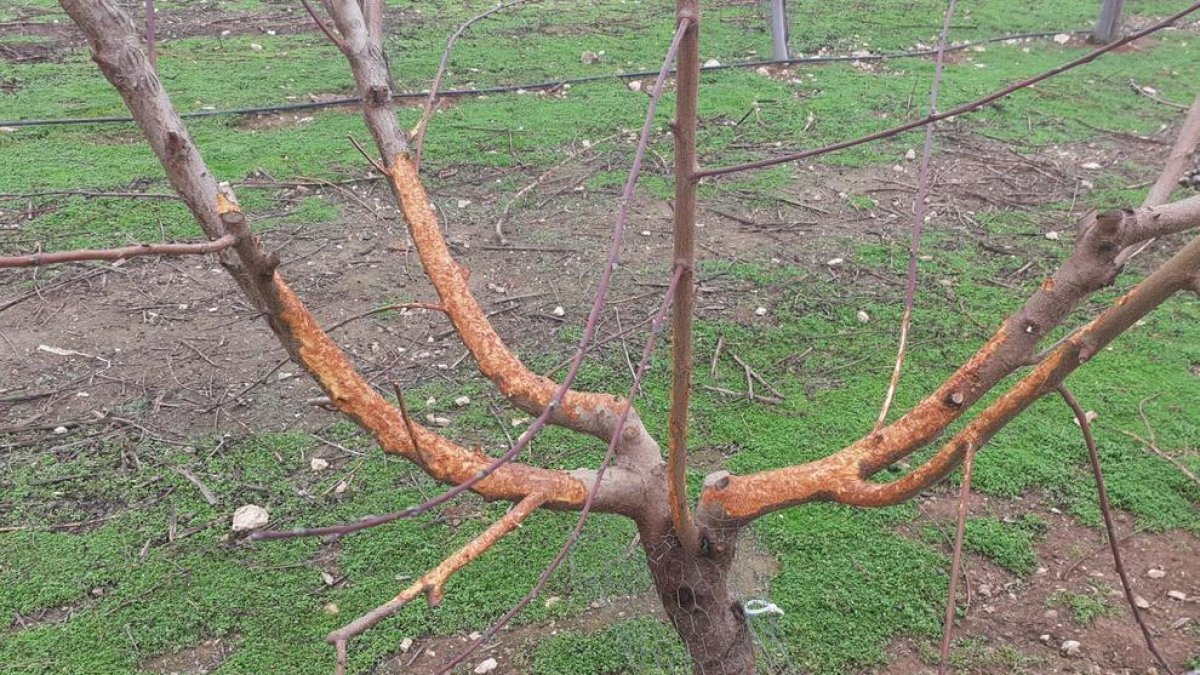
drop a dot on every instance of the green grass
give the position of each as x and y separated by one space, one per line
1009 545
849 584
1085 607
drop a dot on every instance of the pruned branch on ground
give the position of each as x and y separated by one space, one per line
689 546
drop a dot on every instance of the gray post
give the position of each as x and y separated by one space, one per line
779 31
1109 23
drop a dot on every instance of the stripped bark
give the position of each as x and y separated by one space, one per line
690 555
842 475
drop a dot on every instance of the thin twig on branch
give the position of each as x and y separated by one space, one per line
1106 510
39 259
953 112
919 209
960 529
418 132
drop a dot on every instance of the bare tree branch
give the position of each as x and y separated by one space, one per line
953 112
1106 510
418 132
960 529
113 40
687 86
39 259
1168 180
433 583
840 477
919 209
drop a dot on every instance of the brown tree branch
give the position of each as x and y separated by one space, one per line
1106 510
113 40
39 259
841 476
1168 180
960 529
920 206
432 584
953 112
687 87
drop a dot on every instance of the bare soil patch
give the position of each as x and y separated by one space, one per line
1017 624
205 657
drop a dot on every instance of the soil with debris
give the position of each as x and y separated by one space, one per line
166 349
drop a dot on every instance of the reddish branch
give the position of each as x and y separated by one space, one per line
953 112
38 259
418 132
919 209
1106 510
687 85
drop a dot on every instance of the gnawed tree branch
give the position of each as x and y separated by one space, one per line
842 476
113 40
692 581
594 414
432 584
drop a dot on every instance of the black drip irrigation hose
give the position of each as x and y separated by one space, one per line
539 86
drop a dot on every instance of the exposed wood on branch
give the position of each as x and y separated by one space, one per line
111 34
841 476
432 584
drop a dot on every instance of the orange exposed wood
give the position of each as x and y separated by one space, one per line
433 582
526 389
841 477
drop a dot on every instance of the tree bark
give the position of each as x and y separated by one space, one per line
695 592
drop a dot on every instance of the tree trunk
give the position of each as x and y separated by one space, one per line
695 592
